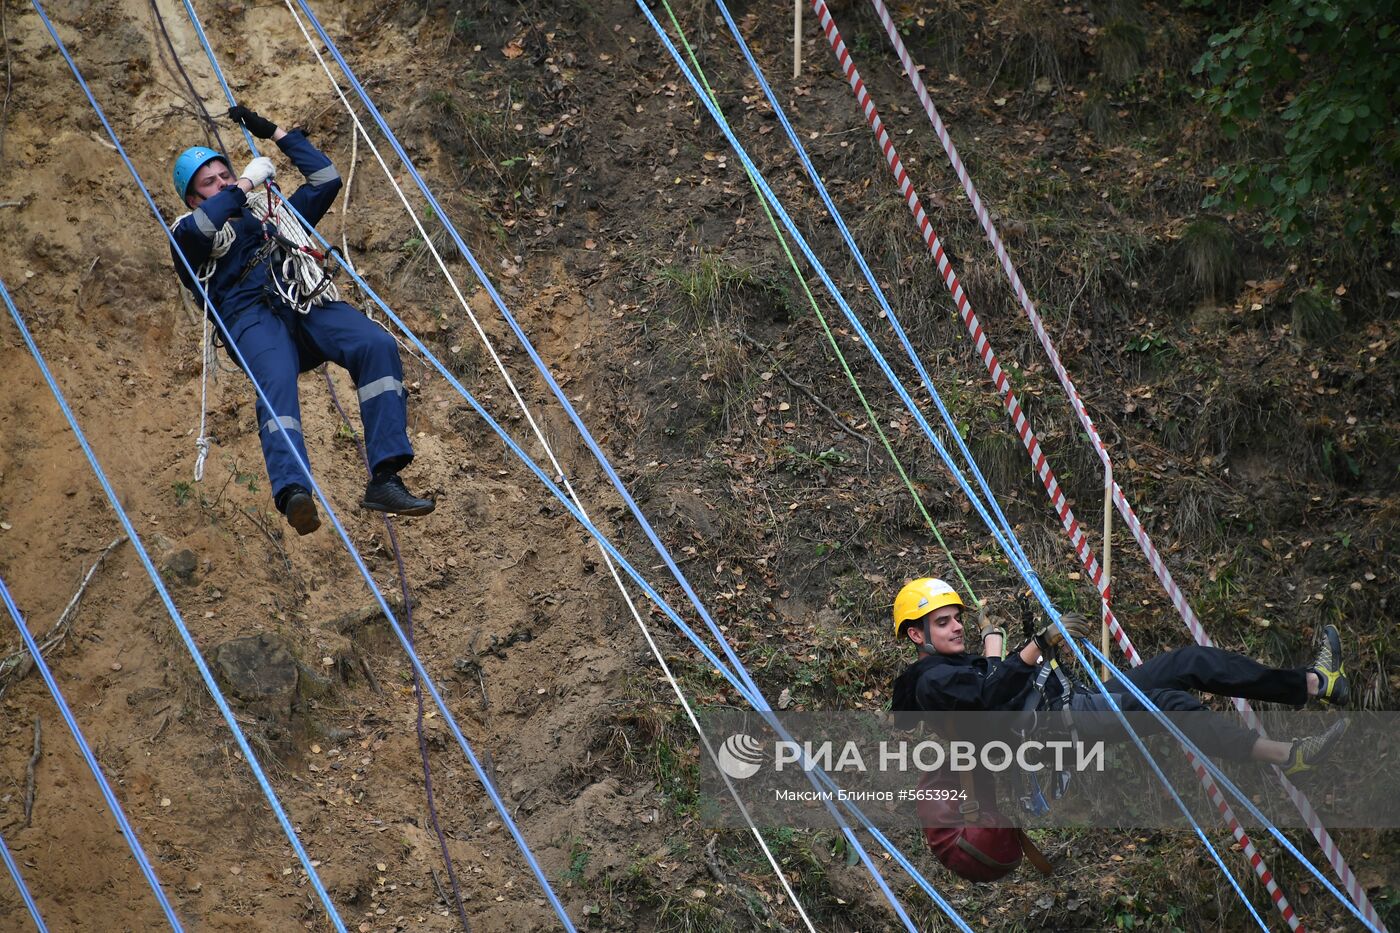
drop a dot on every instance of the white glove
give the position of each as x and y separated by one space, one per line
259 170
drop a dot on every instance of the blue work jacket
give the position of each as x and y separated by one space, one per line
235 286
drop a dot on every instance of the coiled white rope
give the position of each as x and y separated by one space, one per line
301 279
201 443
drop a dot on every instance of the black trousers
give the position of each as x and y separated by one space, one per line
1165 680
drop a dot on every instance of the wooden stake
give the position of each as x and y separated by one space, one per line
796 39
1107 556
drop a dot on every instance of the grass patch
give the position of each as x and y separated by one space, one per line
1041 42
1211 257
709 286
1122 46
1315 316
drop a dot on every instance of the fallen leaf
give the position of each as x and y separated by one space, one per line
513 49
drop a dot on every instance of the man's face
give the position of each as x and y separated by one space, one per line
945 630
212 178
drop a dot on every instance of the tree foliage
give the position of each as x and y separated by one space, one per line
1311 89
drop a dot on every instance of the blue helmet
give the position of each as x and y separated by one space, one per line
191 161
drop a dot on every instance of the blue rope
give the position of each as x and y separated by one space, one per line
914 358
175 616
1205 760
355 556
112 803
23 889
894 380
740 686
874 285
1014 551
755 696
558 494
747 687
525 342
1031 580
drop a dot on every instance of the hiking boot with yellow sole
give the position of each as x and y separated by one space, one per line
1333 688
1309 753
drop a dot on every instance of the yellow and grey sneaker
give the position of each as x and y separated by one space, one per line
1309 753
1333 688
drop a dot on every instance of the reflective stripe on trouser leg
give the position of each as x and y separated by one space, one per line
368 352
273 362
282 468
384 404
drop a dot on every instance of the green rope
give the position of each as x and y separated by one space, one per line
826 328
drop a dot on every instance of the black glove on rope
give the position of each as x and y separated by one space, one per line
1049 637
259 126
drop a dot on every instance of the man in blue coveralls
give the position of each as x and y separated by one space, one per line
280 326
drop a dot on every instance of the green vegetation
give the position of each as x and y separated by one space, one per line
1310 86
708 283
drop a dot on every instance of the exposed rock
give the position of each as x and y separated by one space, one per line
182 565
259 671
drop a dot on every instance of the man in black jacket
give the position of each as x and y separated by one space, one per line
946 677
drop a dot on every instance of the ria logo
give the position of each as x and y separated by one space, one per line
740 756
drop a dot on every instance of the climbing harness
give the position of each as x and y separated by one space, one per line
301 275
1047 709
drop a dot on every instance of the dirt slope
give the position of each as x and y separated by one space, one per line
86 263
625 239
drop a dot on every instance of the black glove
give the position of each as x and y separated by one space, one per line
261 127
987 624
1049 637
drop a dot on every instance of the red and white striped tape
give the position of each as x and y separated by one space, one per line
1013 407
1159 567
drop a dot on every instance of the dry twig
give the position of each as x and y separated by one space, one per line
9 83
29 774
17 666
810 393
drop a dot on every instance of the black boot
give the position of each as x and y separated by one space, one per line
300 508
387 493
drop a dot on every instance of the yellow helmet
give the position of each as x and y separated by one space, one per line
919 598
